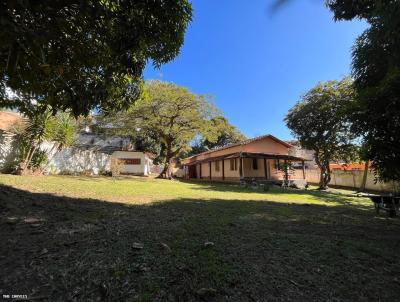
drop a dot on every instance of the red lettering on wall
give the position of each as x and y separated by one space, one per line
130 161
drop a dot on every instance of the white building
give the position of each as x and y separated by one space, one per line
90 155
135 162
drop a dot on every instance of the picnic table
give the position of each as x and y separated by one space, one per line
389 203
265 184
256 183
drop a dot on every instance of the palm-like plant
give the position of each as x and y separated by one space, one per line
59 129
61 134
39 128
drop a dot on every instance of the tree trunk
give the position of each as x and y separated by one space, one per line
166 173
24 164
28 158
325 173
325 176
31 156
365 175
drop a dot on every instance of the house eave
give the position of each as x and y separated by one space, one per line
247 155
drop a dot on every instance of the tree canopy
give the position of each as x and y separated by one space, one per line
376 70
81 54
222 134
169 114
320 122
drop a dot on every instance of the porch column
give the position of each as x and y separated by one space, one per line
265 168
210 169
223 169
243 174
304 169
286 171
240 167
200 170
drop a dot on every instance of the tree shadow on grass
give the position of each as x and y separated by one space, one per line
61 248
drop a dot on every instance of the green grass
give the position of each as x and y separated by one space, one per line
144 190
75 238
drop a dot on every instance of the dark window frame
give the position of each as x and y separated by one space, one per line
254 164
277 165
232 164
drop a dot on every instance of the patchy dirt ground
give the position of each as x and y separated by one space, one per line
57 248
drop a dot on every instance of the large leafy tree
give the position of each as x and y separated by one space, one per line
173 115
376 70
319 121
221 134
82 54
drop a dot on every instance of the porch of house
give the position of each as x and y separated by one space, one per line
245 165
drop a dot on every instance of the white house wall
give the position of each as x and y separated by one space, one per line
85 157
75 161
136 169
7 152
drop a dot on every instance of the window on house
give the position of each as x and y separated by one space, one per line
255 164
217 166
277 164
232 164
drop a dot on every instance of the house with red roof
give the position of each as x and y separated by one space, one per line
261 158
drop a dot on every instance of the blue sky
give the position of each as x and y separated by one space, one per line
257 64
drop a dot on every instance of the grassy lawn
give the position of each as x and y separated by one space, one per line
97 239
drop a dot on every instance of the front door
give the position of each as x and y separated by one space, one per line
192 171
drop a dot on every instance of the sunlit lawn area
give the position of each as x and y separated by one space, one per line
143 190
136 239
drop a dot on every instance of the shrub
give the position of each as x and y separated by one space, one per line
116 166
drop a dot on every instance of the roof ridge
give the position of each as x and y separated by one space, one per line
244 142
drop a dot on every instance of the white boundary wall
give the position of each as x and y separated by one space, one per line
75 161
351 179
